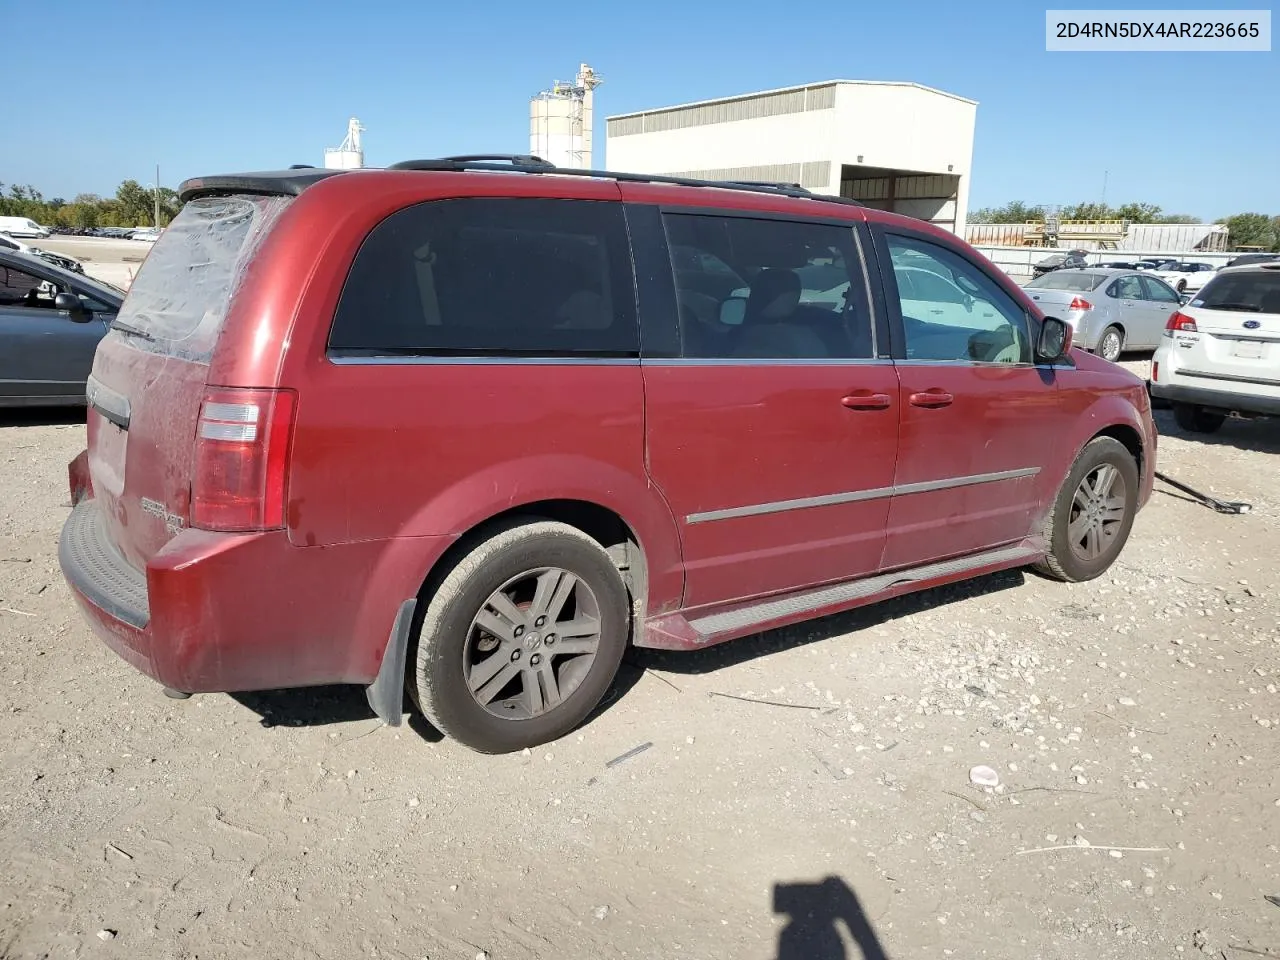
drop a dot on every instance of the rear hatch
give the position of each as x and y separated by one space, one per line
1237 329
150 370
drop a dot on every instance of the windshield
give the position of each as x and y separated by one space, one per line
186 283
1250 292
1064 280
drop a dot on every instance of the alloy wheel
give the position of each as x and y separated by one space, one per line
1097 512
532 643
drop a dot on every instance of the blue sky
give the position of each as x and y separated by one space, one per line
208 88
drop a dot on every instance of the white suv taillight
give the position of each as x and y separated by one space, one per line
242 459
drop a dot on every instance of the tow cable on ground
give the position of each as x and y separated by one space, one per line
1222 506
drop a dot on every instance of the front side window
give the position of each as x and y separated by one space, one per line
951 309
767 289
21 289
492 276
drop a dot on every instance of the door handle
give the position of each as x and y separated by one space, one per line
932 398
866 401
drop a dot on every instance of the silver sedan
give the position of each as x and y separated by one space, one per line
1110 310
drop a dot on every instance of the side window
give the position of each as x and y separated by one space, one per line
951 309
21 289
1159 292
480 276
767 289
1127 288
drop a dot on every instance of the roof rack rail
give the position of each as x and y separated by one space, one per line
473 161
777 185
520 163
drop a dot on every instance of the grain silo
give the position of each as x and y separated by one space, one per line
350 155
560 121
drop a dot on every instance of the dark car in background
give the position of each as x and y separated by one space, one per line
50 323
1071 260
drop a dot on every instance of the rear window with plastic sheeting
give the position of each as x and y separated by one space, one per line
181 294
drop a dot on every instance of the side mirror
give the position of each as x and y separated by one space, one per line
733 311
1054 342
72 305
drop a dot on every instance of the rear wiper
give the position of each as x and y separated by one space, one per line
130 330
1248 307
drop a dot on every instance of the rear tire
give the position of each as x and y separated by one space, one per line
1111 343
1196 419
1092 514
535 620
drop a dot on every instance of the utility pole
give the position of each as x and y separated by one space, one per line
157 196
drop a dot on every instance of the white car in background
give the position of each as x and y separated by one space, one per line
1184 276
1220 354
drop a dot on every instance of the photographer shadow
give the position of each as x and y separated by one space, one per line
817 912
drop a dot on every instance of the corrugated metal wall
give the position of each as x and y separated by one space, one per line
745 108
1148 237
812 173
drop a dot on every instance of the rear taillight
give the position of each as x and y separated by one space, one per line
1180 321
242 459
1155 370
1079 303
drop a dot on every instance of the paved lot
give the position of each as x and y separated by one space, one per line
1134 722
115 261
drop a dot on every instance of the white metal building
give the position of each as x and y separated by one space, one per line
892 145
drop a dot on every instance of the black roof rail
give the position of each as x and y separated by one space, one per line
778 185
528 164
473 161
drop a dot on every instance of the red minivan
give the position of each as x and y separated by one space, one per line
468 427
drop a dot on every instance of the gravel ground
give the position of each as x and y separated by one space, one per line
1134 724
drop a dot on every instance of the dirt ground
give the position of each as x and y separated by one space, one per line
1134 723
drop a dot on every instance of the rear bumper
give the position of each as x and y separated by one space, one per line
225 612
1218 399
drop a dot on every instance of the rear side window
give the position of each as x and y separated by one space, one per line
1251 292
181 294
489 276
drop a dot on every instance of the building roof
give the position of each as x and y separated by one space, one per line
800 86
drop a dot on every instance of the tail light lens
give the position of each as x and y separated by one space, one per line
1180 321
1079 303
1155 370
242 459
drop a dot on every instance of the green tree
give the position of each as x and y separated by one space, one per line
1015 212
1178 218
1251 230
1138 212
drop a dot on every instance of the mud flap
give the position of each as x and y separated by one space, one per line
386 693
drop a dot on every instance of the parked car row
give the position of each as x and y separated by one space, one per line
114 233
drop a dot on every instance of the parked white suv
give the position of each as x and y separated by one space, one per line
1220 354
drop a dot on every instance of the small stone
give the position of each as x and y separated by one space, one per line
978 816
1082 780
350 774
601 911
1148 873
1081 842
1115 854
414 801
689 740
1051 837
526 752
1128 702
984 776
453 888
1013 768
106 934
1150 891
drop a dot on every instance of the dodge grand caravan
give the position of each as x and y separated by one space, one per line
466 428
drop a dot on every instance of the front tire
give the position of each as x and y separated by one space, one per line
1092 514
1111 344
522 638
1196 419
